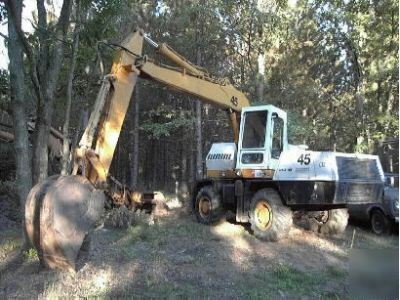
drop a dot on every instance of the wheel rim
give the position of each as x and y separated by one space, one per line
205 207
263 215
322 217
377 223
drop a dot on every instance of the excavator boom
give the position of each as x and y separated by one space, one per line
61 210
115 94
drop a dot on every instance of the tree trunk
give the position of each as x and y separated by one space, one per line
75 44
135 139
199 142
17 89
333 137
184 149
260 76
48 83
192 172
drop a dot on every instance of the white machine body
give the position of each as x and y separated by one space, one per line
308 165
303 177
221 157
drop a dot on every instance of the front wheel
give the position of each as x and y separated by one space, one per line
208 207
270 219
380 224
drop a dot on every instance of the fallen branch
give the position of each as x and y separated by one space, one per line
8 137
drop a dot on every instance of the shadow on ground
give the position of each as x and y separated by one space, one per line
178 258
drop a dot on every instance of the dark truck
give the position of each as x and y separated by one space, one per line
383 216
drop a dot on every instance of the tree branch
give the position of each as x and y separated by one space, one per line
43 39
4 36
61 30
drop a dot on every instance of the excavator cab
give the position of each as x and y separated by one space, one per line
263 136
262 139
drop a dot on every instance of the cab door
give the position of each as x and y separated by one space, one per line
252 143
277 141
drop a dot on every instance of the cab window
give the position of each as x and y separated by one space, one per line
254 129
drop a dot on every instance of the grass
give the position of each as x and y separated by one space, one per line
10 242
282 279
286 281
30 254
288 278
160 234
336 272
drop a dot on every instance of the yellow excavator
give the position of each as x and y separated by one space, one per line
61 210
259 176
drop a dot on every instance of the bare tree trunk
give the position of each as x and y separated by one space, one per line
135 139
260 76
184 149
389 107
192 161
199 150
75 45
199 141
17 87
333 137
49 82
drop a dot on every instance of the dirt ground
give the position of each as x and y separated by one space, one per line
174 257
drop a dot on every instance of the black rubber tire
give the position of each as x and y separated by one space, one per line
215 213
380 224
336 223
281 219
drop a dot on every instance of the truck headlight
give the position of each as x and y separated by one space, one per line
396 204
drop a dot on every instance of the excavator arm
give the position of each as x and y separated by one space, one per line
99 141
60 211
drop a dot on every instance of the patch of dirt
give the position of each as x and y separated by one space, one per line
174 256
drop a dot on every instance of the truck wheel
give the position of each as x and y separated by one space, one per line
328 222
380 224
207 206
270 219
336 222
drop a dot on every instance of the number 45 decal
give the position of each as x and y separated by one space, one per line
304 159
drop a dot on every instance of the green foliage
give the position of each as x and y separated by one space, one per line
298 128
30 254
3 12
157 130
165 120
333 65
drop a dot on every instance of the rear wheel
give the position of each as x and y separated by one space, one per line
270 219
207 206
335 223
380 224
328 222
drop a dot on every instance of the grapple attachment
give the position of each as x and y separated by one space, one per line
59 213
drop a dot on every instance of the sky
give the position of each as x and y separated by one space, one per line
27 19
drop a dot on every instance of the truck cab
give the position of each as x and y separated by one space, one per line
263 137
